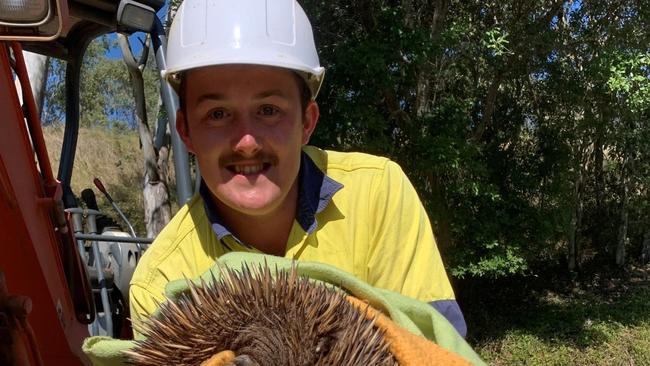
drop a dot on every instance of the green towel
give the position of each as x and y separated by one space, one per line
416 316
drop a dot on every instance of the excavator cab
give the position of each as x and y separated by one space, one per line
62 278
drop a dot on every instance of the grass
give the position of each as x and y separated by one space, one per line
115 158
574 338
580 325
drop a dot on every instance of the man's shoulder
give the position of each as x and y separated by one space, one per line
337 161
169 240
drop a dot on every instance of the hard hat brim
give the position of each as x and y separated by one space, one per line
313 77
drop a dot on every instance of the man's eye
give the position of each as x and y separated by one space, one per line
268 110
218 114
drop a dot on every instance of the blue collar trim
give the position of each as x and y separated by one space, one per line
315 193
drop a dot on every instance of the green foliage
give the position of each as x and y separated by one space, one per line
523 125
514 120
106 94
630 80
496 41
497 265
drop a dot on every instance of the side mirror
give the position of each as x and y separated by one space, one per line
138 15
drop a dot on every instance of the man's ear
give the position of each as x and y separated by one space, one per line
183 130
312 113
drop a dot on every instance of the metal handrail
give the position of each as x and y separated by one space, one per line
118 239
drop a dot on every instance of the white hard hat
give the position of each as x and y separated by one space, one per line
260 32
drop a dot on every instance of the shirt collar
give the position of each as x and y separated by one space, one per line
315 192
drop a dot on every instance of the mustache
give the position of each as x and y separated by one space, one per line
262 156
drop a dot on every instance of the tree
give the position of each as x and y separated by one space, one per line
157 207
504 116
108 90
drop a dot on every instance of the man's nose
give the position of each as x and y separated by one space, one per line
247 143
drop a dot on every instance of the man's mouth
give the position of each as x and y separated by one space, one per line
248 169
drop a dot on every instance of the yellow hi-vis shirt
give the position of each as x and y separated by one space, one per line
373 227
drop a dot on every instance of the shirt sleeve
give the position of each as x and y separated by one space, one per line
403 255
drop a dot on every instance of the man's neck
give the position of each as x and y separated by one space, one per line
267 233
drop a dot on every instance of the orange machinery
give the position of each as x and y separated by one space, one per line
45 300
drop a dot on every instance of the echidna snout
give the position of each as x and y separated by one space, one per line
265 320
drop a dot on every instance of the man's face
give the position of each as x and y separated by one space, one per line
246 127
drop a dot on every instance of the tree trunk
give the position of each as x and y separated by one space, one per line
437 12
441 219
622 229
577 209
644 258
157 208
575 223
599 186
488 109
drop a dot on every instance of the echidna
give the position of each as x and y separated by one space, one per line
265 320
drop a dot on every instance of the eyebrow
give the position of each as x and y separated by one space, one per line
210 97
219 97
270 93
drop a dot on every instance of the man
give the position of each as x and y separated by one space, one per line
247 74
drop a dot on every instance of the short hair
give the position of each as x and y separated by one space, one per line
303 90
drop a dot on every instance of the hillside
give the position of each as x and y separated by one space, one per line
115 158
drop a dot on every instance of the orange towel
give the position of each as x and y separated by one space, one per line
408 348
220 359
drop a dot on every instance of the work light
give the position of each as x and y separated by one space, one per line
31 20
24 13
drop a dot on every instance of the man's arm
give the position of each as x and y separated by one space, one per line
404 256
